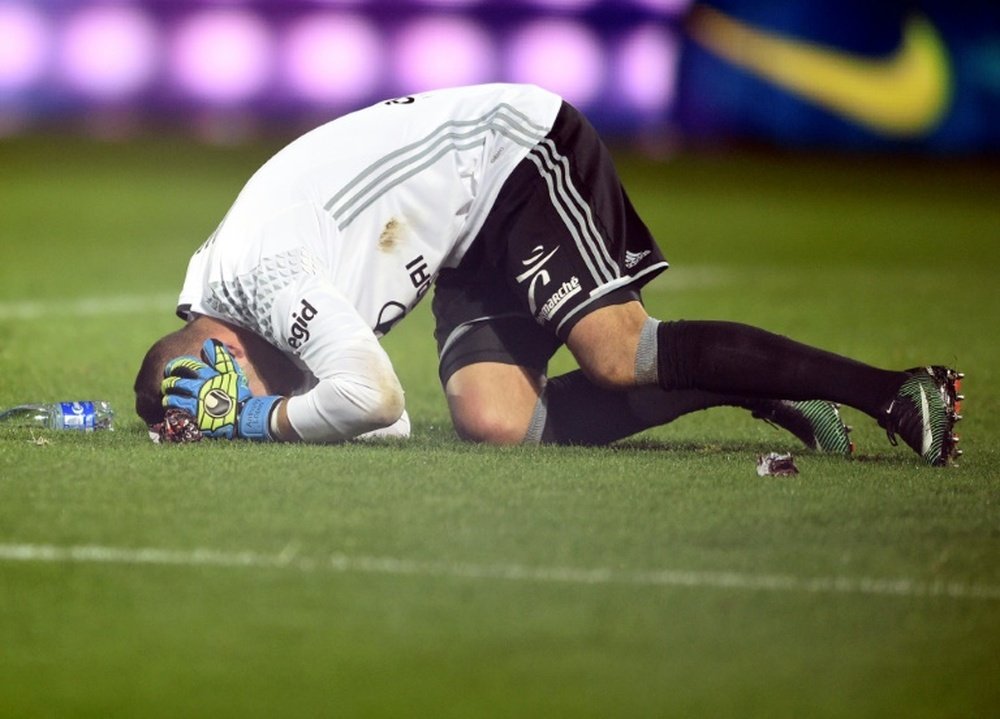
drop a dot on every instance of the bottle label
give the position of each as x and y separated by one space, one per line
78 415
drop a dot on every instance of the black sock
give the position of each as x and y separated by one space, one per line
737 359
580 412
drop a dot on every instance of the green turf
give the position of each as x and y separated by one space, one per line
661 577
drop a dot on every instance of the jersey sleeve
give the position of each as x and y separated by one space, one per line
357 390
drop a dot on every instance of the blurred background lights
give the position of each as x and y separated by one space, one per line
222 56
561 55
332 3
563 4
452 3
675 8
24 46
645 70
109 51
266 59
627 63
442 52
332 58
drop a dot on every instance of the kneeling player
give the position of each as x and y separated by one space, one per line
506 200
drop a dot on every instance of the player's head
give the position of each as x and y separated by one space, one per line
267 370
148 397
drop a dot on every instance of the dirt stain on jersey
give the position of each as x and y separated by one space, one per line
392 235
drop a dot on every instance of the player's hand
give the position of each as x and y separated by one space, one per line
214 391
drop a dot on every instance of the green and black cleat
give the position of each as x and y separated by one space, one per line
924 412
816 423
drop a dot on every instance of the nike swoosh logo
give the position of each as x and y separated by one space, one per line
905 93
925 417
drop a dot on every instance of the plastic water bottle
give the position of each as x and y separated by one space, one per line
84 415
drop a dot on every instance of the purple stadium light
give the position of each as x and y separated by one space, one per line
673 8
332 58
452 3
647 68
564 4
222 56
561 55
109 52
24 46
442 52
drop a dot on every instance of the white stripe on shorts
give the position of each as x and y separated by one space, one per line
574 211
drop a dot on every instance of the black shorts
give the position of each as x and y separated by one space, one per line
561 240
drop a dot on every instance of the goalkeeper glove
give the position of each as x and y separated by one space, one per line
214 391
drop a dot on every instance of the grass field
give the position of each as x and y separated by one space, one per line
660 577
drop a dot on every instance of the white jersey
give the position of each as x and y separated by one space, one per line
341 233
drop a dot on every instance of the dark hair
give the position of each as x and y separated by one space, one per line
148 397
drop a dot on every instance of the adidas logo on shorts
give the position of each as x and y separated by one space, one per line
634 258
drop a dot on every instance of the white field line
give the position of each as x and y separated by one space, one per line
344 563
88 306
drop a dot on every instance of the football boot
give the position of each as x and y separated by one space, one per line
816 423
924 412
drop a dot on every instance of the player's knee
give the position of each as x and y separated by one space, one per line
493 403
489 427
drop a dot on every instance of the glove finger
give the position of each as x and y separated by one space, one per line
221 359
186 404
189 367
215 353
225 432
179 385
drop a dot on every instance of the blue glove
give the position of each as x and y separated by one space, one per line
214 391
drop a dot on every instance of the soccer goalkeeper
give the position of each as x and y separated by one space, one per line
506 201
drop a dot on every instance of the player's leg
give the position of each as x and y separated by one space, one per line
492 354
493 402
621 346
493 371
616 349
919 405
576 248
573 410
493 358
499 403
